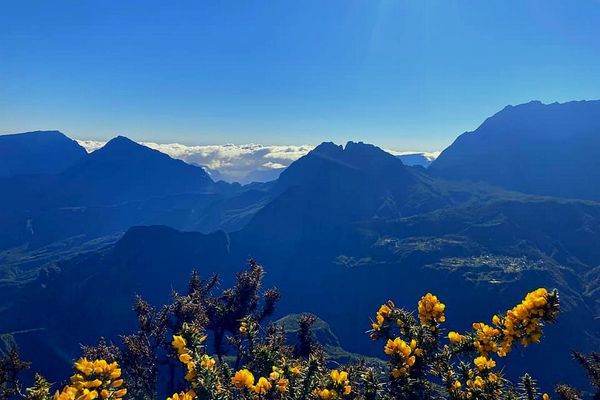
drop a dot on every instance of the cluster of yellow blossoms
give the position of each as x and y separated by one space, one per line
380 316
480 379
185 356
523 321
404 353
340 384
482 363
277 377
431 311
486 338
94 379
523 324
385 313
455 337
179 343
244 379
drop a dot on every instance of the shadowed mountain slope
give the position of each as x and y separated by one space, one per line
549 149
35 153
123 170
118 186
334 186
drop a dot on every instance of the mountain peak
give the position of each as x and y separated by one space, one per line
37 152
122 142
357 155
36 137
330 164
328 148
121 139
124 170
125 149
354 153
548 149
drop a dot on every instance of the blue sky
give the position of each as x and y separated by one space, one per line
406 75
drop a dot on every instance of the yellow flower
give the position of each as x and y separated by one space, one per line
295 371
207 362
179 342
347 390
191 374
455 337
339 377
496 320
487 336
84 366
456 385
431 310
398 372
95 383
185 358
545 396
189 395
326 394
397 346
478 383
384 310
243 379
282 385
244 328
103 385
380 316
116 383
275 368
262 386
483 363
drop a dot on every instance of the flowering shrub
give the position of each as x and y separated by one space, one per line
92 380
218 347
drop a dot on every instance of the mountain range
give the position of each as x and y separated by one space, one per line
342 229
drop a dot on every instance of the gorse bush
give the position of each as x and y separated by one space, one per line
217 346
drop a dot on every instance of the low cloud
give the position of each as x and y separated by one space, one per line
429 155
247 162
229 162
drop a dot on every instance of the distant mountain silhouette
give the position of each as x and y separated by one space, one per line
124 170
40 152
549 149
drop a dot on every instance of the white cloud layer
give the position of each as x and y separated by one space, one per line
243 163
229 162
